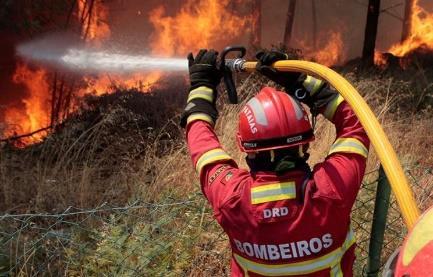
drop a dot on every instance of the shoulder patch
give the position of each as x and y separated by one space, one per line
227 177
216 174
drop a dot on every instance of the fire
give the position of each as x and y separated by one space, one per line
198 24
175 36
421 33
34 115
330 54
105 83
380 60
94 17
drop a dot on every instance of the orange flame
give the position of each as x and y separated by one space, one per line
421 33
34 116
330 54
198 24
106 83
94 18
175 36
95 29
380 60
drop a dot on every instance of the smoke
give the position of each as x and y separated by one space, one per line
64 52
48 49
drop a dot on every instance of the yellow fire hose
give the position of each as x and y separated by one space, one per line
380 142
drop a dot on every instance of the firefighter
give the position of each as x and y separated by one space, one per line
281 218
416 255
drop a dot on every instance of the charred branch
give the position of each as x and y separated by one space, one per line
70 12
18 137
89 18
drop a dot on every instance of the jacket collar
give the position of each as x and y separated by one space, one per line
272 176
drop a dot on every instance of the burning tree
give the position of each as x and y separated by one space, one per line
215 24
53 95
416 37
373 12
407 20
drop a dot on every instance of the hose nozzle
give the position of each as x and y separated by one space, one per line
227 70
236 65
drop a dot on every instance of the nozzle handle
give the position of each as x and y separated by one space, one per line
227 72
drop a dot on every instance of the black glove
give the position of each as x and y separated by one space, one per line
205 77
314 92
203 70
266 59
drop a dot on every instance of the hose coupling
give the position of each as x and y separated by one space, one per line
236 65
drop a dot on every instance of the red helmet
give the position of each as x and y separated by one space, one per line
273 120
416 255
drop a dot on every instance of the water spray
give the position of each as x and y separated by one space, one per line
84 60
102 61
92 61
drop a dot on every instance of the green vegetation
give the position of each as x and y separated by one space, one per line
135 207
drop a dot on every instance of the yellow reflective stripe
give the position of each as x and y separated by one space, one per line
331 260
420 236
332 107
317 86
273 192
312 85
287 269
307 83
350 239
336 271
199 116
202 93
210 157
349 145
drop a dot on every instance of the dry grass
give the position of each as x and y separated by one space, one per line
110 155
103 154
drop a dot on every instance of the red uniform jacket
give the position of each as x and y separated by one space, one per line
292 224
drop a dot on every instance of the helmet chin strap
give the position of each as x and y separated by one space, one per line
279 161
301 151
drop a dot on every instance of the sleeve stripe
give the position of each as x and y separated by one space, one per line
201 92
332 107
349 145
312 85
273 192
200 116
317 86
309 83
211 156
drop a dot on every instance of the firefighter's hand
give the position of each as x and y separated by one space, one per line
266 58
205 77
203 70
314 92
